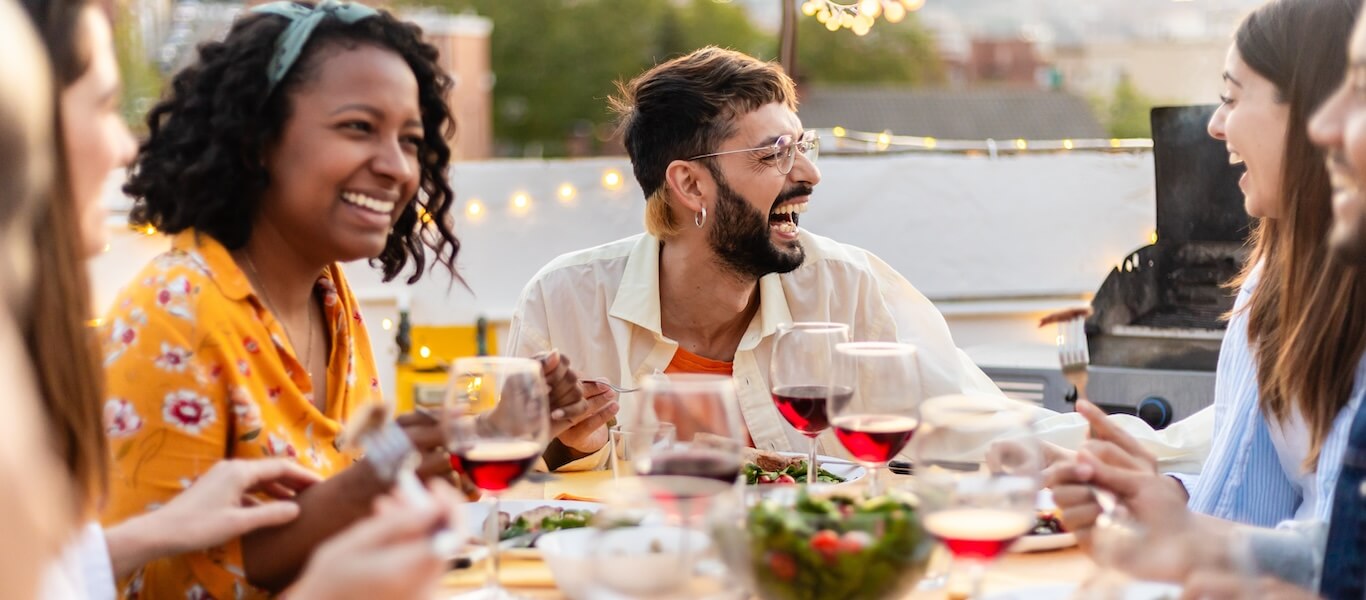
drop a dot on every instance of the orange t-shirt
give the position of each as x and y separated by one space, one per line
687 362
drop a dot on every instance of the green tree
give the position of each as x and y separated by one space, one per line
1127 111
900 53
557 61
141 79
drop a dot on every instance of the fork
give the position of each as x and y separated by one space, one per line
616 388
1075 358
1073 353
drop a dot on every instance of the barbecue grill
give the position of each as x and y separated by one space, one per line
1159 316
1158 319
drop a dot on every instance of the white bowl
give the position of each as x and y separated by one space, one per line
631 561
569 554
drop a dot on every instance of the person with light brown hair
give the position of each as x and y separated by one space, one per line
1289 382
34 526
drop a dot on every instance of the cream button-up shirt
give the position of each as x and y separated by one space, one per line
600 307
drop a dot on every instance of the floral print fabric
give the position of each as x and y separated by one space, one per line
199 370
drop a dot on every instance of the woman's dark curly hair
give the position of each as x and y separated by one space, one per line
201 167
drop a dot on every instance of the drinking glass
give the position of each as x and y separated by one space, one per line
977 469
876 419
498 424
801 375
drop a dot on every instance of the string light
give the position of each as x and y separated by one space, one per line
96 322
858 15
520 203
386 324
106 248
149 230
844 141
1152 239
611 179
474 208
567 192
424 352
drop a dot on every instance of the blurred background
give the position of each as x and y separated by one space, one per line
995 152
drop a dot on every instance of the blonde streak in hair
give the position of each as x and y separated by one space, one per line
659 217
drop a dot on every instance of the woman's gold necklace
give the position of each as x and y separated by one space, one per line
308 356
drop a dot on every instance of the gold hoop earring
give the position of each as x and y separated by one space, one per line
700 219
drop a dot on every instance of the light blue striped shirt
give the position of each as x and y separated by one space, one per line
1243 479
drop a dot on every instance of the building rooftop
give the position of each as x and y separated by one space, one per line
951 114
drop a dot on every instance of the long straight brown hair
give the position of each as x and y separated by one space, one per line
1305 317
62 347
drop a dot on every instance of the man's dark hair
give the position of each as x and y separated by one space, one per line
685 107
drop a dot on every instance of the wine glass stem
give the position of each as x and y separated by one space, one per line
812 469
491 527
874 482
976 573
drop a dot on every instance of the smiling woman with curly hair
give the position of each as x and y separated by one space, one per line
310 136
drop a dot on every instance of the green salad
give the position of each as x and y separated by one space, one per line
836 547
792 473
542 520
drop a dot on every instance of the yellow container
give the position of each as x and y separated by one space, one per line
422 380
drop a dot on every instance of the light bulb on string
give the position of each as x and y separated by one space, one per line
894 13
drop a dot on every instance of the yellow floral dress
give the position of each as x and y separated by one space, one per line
199 370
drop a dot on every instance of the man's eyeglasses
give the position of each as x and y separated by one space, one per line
783 152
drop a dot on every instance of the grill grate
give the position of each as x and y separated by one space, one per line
1184 317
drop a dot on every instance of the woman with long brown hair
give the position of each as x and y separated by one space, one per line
1287 383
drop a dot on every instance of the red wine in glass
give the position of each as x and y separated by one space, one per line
495 465
708 464
980 534
805 406
874 438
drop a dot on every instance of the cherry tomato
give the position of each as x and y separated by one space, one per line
782 565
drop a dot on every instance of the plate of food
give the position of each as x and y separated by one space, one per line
768 468
521 522
1048 532
1138 590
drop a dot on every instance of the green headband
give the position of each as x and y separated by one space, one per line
304 20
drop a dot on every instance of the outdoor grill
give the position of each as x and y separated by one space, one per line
1158 318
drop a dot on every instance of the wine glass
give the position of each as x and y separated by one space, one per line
800 375
977 469
702 458
880 413
498 424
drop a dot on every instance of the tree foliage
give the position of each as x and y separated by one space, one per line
1127 111
557 61
900 53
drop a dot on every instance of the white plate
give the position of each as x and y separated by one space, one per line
841 467
1141 590
475 513
1042 543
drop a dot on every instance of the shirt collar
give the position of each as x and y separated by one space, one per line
637 298
216 261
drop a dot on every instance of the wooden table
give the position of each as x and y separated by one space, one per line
532 579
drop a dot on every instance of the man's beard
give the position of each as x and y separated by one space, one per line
740 235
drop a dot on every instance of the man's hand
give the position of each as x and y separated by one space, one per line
579 411
587 432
